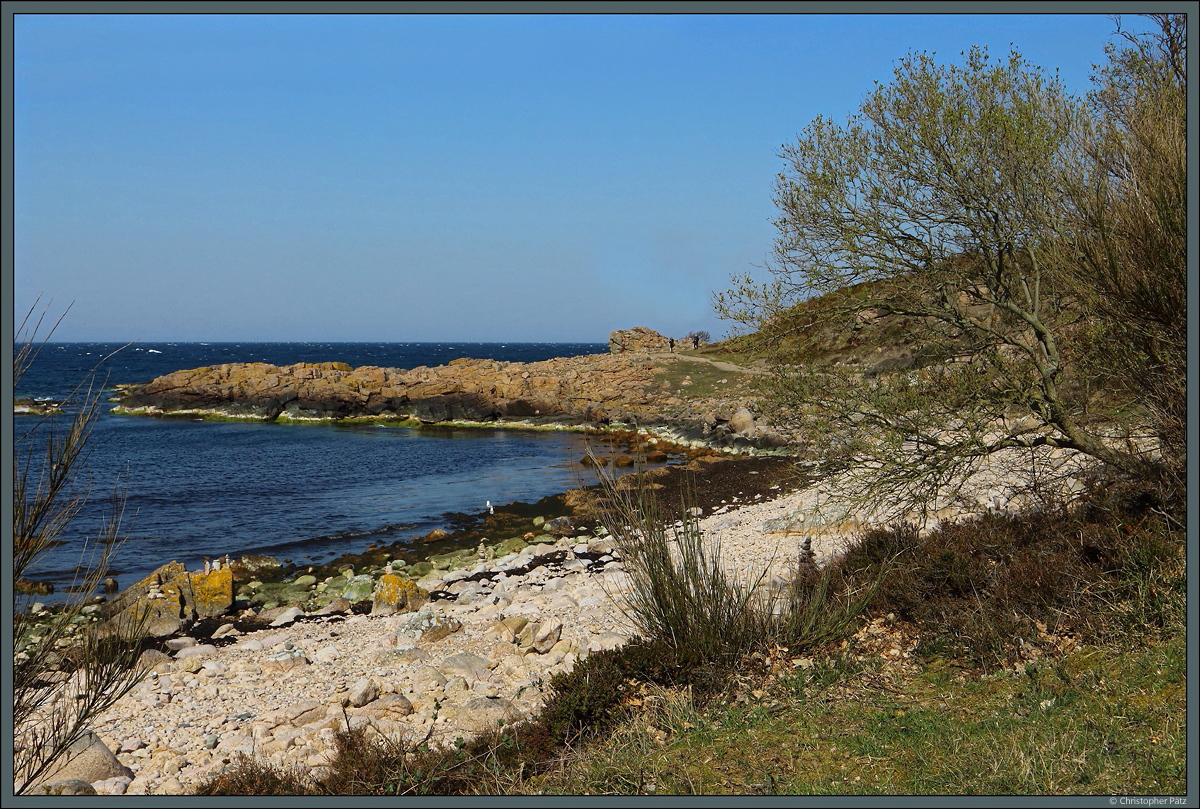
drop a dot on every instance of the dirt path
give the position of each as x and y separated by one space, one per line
727 367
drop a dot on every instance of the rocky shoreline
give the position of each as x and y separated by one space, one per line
631 388
436 637
437 647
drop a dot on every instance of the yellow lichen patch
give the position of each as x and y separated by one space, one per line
213 592
396 594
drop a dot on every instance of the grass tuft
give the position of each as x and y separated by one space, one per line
706 618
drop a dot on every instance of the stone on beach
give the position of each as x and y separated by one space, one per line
395 594
428 626
170 599
363 691
89 759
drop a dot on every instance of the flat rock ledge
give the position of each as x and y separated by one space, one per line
585 392
596 389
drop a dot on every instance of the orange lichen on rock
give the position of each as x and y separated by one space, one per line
397 594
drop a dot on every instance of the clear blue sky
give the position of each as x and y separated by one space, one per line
456 177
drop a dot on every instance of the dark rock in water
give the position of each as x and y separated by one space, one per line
36 407
31 587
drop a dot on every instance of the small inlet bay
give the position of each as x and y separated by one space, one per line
195 489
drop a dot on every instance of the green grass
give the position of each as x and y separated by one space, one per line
1100 721
699 380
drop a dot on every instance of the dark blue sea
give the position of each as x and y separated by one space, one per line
194 489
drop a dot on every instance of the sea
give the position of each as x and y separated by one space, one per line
193 489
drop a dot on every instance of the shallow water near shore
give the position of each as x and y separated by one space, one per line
197 489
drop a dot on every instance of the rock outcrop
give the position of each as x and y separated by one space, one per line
170 599
674 393
639 340
87 760
596 388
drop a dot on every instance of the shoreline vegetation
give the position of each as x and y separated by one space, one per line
935 640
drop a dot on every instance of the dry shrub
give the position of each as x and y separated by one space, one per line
250 776
980 589
66 669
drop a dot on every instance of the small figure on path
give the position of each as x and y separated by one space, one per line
695 341
671 342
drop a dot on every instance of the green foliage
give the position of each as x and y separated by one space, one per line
1128 190
1016 239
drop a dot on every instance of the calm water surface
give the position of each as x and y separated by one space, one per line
194 489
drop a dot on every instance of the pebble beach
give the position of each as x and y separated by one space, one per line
448 671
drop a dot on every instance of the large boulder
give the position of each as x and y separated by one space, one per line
211 593
638 340
156 603
170 599
482 713
87 760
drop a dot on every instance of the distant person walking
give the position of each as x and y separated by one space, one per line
695 341
671 341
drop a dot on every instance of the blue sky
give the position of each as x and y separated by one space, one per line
447 177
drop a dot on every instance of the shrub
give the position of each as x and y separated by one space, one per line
982 589
684 601
65 671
